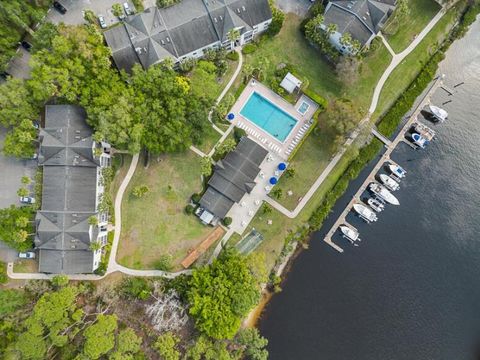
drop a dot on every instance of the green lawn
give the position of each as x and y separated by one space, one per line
209 84
156 224
290 46
371 69
275 234
309 162
405 28
210 138
406 72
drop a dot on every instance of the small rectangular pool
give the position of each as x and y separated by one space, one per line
268 116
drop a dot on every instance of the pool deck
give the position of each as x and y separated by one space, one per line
268 141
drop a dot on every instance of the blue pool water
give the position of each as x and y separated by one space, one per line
268 116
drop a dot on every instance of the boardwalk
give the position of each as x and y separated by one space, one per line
385 158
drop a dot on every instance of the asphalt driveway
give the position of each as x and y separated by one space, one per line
11 172
299 7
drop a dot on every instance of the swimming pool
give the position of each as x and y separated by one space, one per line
268 116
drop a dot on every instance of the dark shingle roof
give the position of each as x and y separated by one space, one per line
234 176
360 18
175 31
69 192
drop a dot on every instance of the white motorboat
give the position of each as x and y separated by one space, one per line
439 114
424 130
397 171
382 192
375 204
350 233
389 182
419 140
365 212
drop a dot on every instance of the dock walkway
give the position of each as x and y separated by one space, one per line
385 158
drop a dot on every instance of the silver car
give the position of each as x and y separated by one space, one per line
128 9
102 22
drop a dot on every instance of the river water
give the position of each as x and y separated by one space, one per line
411 290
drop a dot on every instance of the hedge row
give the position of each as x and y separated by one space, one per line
390 121
320 100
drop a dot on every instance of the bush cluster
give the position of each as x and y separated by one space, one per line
249 48
232 55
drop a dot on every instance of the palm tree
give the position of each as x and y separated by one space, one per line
233 35
22 192
331 28
95 246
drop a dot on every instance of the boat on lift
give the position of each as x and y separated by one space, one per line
365 212
397 170
350 233
389 182
424 130
419 140
376 205
438 113
382 192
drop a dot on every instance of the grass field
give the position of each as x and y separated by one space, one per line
290 46
309 162
405 28
156 225
209 84
406 72
210 138
275 234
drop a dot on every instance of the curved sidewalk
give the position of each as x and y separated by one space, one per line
396 60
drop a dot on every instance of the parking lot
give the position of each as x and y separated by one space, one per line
11 172
19 66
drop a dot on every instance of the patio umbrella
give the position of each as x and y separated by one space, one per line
273 180
230 116
282 166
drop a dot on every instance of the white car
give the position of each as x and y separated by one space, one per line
26 255
127 8
27 200
102 22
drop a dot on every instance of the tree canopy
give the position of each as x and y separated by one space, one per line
221 294
14 223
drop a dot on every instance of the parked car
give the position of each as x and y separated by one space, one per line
26 45
102 22
59 7
36 125
26 255
27 200
127 8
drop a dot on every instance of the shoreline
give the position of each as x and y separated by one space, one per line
255 314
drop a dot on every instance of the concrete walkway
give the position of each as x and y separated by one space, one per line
387 45
198 151
227 87
396 60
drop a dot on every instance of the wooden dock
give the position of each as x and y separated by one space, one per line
385 158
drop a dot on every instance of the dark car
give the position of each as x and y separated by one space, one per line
59 7
26 45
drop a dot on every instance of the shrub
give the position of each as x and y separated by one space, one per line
189 209
290 173
277 20
140 190
249 48
138 5
117 9
227 221
196 198
136 288
321 101
59 281
166 3
233 55
187 65
238 133
164 263
3 273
